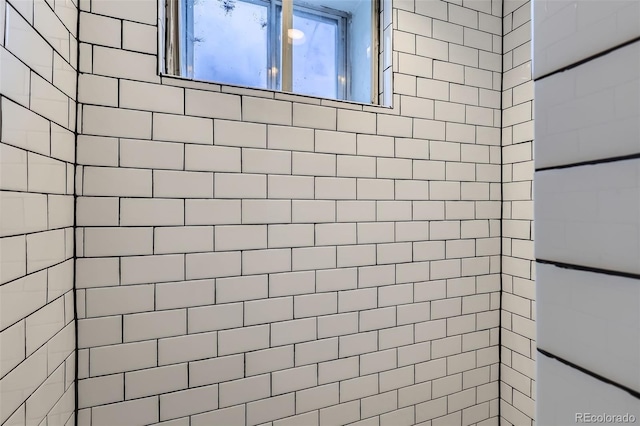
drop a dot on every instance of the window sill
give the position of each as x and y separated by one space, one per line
179 81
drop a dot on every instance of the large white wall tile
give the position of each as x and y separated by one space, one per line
568 31
591 111
592 320
563 392
590 215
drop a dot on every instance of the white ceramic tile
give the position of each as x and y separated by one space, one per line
568 31
24 129
48 101
121 63
45 249
144 269
21 382
24 42
575 110
12 347
138 411
102 30
15 79
151 97
114 122
51 28
563 392
589 215
592 320
145 11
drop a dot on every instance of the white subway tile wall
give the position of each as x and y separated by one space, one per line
252 258
38 55
518 342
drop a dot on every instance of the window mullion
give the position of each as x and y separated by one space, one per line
172 44
342 50
287 46
376 39
272 41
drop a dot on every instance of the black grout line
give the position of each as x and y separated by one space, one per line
589 58
585 268
590 162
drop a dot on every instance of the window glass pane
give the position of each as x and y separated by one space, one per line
339 63
240 42
361 50
315 50
230 42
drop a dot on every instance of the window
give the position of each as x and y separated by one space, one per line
329 49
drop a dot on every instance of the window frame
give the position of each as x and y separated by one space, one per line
170 44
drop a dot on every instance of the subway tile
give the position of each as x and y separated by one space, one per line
139 37
298 187
243 339
124 64
178 128
231 415
290 138
270 111
270 409
565 35
144 269
179 184
212 265
313 116
266 161
268 310
218 317
102 121
146 326
151 97
317 397
235 133
140 411
109 33
215 370
191 401
212 212
23 128
268 360
26 44
155 381
358 387
100 390
211 104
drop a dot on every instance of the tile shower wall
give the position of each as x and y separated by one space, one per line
587 208
38 54
517 376
246 257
